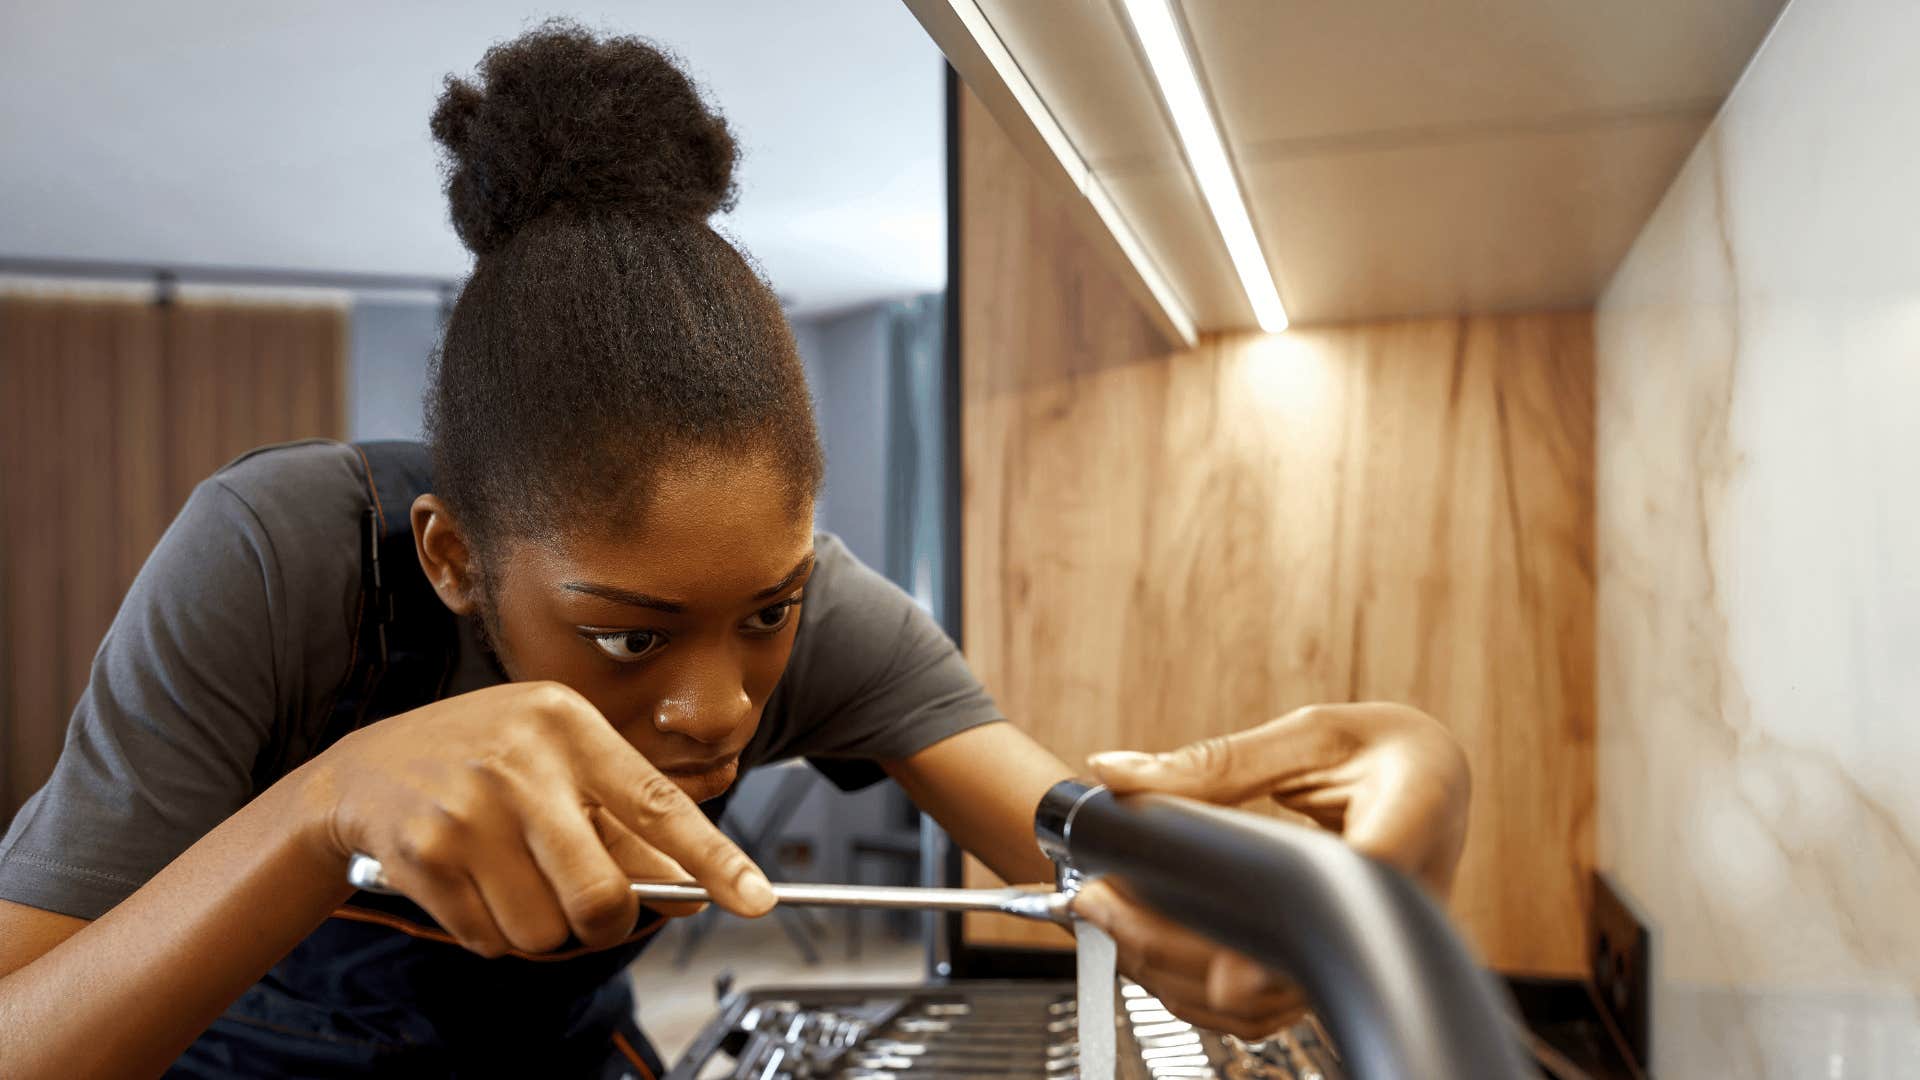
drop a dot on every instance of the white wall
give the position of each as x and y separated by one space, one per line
846 357
391 344
293 135
847 360
1759 579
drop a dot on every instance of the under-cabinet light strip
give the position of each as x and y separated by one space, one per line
1088 185
1193 121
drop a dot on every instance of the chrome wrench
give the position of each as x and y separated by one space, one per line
1042 905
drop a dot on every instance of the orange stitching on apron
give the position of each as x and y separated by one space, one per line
413 929
626 1049
379 514
360 601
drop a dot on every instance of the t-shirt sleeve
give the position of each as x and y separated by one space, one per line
179 702
872 678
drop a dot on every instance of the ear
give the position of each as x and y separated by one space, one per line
445 555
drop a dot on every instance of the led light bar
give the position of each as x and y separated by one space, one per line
1172 67
975 25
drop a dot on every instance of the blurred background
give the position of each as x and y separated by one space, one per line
221 225
1547 365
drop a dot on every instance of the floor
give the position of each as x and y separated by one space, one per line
674 1004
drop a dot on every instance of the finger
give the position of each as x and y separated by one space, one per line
1145 940
581 874
1400 806
1325 819
1232 978
1410 809
450 898
1321 807
658 812
641 861
522 903
1234 768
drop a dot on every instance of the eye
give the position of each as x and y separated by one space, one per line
769 620
626 646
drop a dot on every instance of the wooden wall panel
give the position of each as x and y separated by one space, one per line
1160 545
110 412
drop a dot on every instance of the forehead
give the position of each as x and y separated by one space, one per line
707 529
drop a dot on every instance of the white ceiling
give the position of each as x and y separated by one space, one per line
294 134
1399 157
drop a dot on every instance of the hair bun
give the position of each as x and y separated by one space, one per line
560 120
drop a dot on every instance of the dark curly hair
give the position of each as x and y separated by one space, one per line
606 329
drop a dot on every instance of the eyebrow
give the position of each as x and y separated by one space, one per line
625 596
786 583
675 607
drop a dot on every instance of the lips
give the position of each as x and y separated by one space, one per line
703 780
690 768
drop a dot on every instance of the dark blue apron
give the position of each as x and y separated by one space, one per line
379 990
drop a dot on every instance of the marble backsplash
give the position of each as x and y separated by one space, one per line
1758 517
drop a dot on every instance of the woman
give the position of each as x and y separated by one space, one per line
515 682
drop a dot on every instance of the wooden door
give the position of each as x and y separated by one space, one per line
110 412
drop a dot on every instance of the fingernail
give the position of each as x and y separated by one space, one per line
1123 759
755 889
1232 980
1220 990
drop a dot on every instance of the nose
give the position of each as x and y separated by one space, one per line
708 705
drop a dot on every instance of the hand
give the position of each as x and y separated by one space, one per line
1388 778
516 815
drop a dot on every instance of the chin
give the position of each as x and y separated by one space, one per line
709 785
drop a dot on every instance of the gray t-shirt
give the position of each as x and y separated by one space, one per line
216 677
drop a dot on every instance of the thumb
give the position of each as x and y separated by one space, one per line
1221 769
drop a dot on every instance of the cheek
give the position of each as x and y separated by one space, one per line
763 667
532 647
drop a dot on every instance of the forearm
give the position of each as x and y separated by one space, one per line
128 992
983 786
